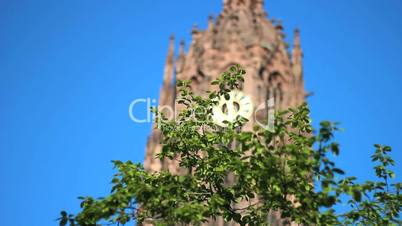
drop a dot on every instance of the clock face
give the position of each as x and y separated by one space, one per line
238 104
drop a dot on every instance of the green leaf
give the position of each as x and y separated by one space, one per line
339 171
357 195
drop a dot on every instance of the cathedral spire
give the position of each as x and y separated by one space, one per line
169 66
296 38
297 54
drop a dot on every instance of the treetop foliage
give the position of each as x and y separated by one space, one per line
289 170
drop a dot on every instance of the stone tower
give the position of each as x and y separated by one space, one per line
241 34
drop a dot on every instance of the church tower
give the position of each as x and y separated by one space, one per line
241 34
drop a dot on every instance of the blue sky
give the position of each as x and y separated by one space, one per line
69 70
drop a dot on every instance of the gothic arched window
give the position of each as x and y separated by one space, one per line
275 90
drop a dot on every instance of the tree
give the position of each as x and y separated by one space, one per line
288 170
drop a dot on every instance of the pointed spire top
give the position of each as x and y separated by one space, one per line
171 43
297 55
169 61
195 33
278 25
296 41
210 22
279 28
180 58
181 48
194 29
171 49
